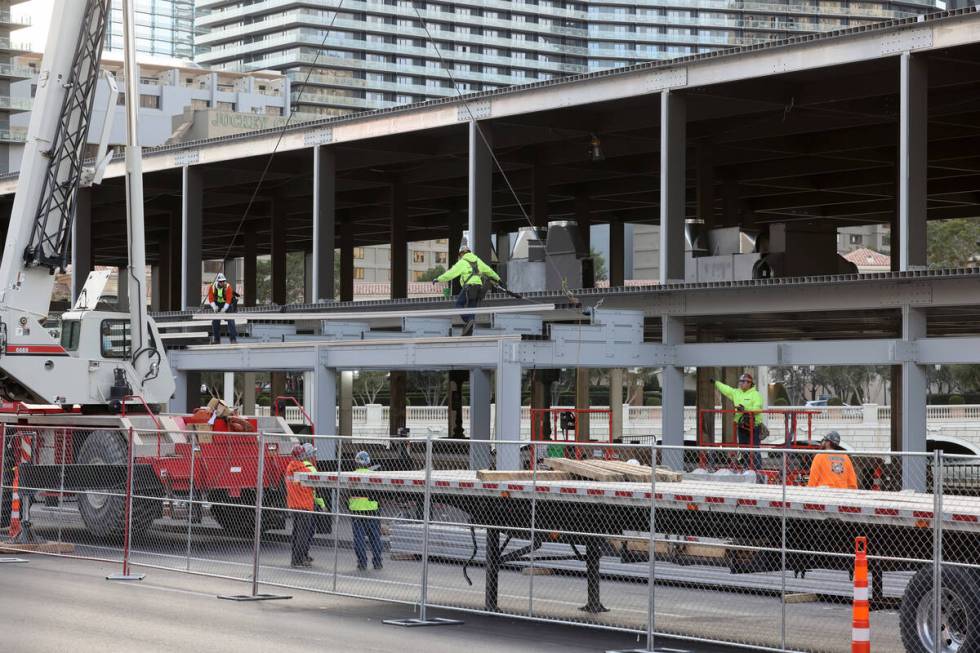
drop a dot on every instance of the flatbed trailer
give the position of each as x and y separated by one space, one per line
821 524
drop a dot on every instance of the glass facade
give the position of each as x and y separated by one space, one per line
380 53
163 27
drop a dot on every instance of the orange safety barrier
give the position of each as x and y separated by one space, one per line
861 628
15 527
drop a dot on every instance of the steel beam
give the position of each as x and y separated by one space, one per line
913 161
191 233
324 225
673 185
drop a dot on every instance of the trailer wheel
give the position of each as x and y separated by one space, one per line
959 630
104 508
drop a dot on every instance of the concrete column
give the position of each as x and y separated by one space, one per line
81 242
250 269
324 221
480 193
539 196
277 387
913 162
191 235
673 166
248 393
480 419
280 219
397 417
672 385
347 260
914 394
617 254
399 242
325 410
508 399
346 422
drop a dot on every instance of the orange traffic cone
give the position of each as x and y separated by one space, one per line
861 628
15 527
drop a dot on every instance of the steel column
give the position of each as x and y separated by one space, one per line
480 193
347 260
673 169
191 235
508 397
81 242
480 418
617 253
915 388
325 409
913 161
279 228
399 242
672 386
250 269
324 226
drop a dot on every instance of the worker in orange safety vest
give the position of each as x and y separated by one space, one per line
302 502
832 469
222 298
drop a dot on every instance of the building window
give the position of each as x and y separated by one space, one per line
226 106
359 252
418 256
150 101
856 239
417 275
200 104
359 273
441 258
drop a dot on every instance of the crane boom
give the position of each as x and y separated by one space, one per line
99 356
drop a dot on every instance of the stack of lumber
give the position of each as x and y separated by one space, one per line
610 471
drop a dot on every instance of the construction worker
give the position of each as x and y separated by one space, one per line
748 418
223 299
301 500
364 522
832 469
319 505
471 272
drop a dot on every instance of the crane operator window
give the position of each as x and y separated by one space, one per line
70 330
115 338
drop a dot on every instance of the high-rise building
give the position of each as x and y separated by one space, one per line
373 54
163 28
11 72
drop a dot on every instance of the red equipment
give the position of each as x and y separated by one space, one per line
566 425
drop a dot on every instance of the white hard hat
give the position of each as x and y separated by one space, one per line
362 458
220 277
632 461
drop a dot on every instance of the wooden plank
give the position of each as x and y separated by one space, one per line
38 547
522 475
584 469
631 472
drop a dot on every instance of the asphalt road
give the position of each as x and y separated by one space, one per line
53 605
691 600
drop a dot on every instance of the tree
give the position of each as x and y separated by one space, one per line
432 273
433 386
368 385
951 243
598 266
295 278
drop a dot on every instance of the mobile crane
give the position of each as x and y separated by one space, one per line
64 398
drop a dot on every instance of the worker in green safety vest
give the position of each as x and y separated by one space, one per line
749 419
364 518
471 272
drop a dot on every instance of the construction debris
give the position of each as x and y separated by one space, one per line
60 548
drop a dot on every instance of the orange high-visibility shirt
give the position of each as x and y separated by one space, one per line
298 497
832 470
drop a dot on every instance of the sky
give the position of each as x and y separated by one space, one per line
40 13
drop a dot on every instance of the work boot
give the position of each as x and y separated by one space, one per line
215 341
234 341
468 329
378 565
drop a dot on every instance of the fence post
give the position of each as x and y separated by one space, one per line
937 549
652 552
423 618
190 498
534 508
3 469
782 548
128 527
61 485
336 513
257 533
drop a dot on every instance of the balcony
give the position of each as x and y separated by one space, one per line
8 103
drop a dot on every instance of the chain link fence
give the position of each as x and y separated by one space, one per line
711 544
